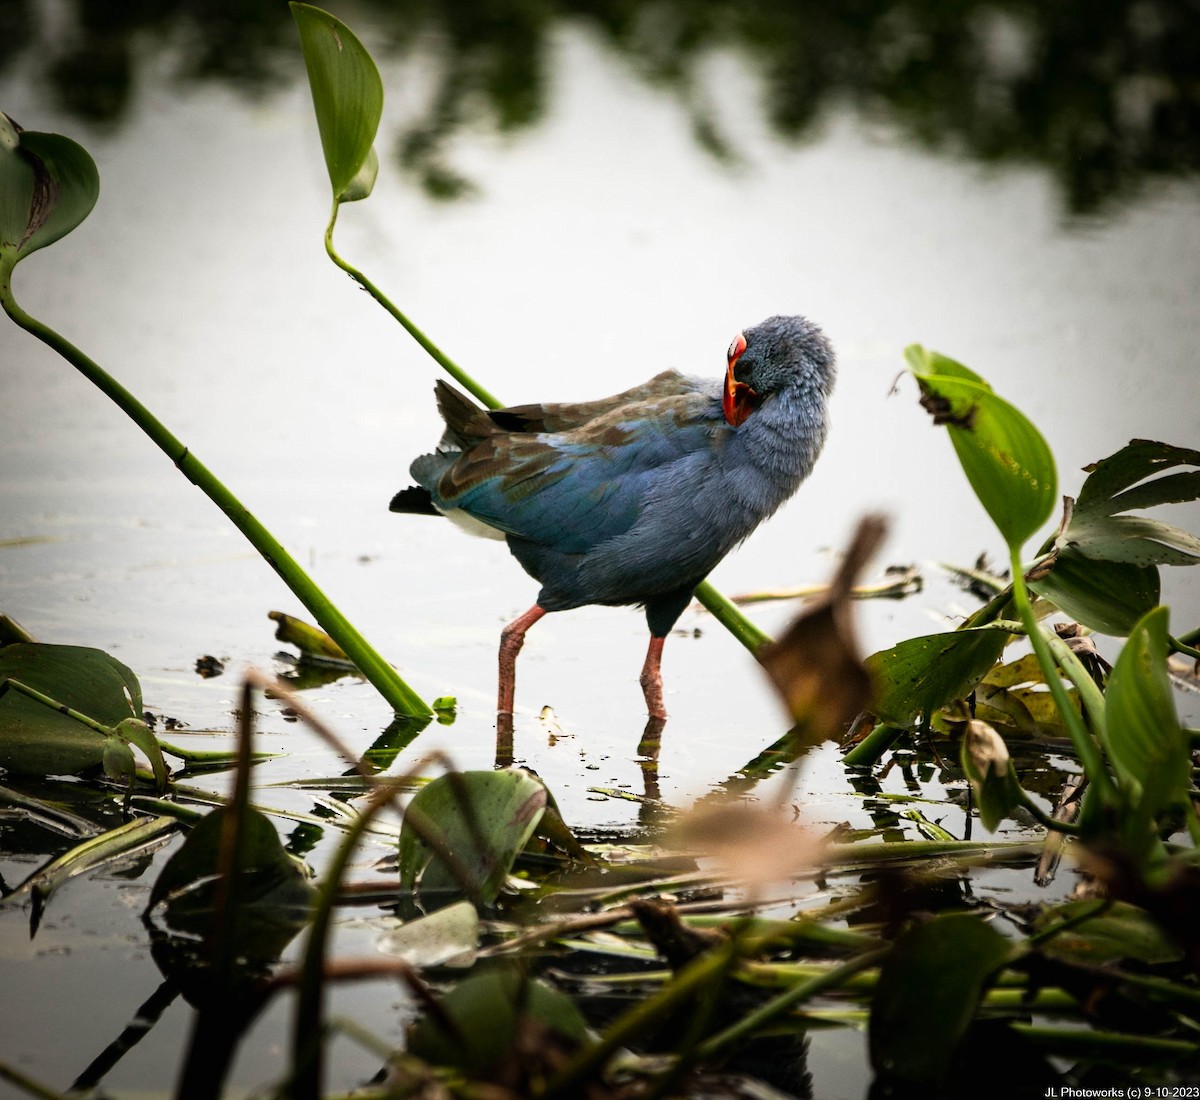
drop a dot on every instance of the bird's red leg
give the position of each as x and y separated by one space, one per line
512 637
651 679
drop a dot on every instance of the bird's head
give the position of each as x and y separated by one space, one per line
778 353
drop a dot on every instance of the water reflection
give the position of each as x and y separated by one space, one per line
1102 95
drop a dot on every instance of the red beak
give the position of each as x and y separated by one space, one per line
739 400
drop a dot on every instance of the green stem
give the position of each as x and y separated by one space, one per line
722 609
1042 818
726 613
686 985
1180 646
872 747
444 361
385 678
54 704
1085 746
1089 691
775 1007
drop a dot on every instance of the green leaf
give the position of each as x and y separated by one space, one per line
989 770
348 96
138 734
480 1022
917 677
922 361
1145 742
48 185
1099 530
448 937
1005 458
97 851
273 889
36 740
928 991
483 818
1106 596
1121 931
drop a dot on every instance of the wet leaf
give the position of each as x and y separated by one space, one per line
919 676
1106 596
449 937
1121 931
482 1018
48 185
1005 458
273 892
37 740
929 989
482 818
107 848
989 770
314 644
1099 530
348 96
1148 748
816 665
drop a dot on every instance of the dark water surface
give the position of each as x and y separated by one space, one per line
627 192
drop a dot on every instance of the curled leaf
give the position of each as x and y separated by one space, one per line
48 185
989 769
1005 458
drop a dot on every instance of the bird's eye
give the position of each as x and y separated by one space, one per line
737 347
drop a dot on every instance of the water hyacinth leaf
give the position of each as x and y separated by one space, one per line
449 937
482 818
1105 596
48 185
38 740
480 1020
1118 932
137 733
989 769
1099 529
1145 742
923 361
929 988
919 676
273 888
348 96
1005 458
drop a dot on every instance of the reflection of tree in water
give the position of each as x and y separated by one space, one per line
1103 92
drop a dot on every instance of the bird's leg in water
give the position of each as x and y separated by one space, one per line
512 637
651 678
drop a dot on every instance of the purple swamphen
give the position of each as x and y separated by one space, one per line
633 499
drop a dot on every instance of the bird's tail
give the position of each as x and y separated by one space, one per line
466 422
415 500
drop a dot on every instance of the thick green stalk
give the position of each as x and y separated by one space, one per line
385 678
722 609
868 751
1085 745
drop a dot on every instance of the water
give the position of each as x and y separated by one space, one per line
602 244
